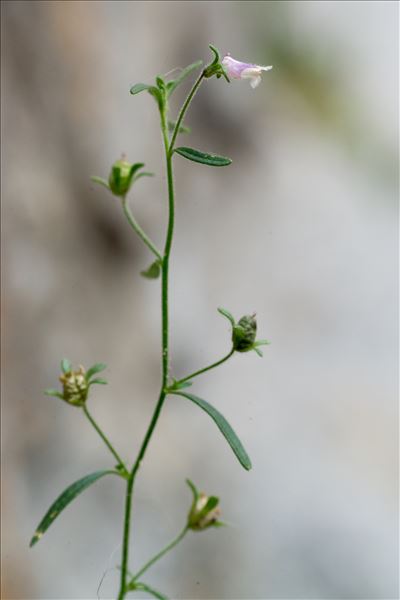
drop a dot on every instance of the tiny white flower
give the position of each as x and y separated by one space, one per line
240 70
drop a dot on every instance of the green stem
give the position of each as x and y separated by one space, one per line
105 440
183 110
216 364
160 554
136 227
168 148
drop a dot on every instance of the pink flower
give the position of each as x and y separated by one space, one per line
239 70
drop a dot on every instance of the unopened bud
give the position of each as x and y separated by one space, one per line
75 387
120 177
204 512
244 334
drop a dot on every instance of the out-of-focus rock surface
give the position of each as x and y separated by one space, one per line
302 228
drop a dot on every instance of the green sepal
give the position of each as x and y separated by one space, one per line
223 426
139 87
262 343
101 181
96 368
54 393
63 500
258 351
217 56
143 174
195 491
227 314
182 128
173 84
99 381
153 272
212 160
66 366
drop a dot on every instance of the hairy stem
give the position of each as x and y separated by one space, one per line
168 149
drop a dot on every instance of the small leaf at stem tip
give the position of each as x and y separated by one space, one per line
153 272
66 365
139 87
101 181
98 380
63 500
212 160
227 314
54 393
96 368
223 426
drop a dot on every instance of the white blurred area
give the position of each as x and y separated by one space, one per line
302 229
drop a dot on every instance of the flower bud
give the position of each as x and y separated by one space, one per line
244 334
204 513
120 177
75 387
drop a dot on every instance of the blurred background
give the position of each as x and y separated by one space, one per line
302 229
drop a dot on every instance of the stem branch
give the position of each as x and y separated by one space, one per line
136 227
216 364
105 440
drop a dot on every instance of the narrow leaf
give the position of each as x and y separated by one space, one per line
153 272
101 181
258 351
139 87
66 365
223 426
143 174
96 368
173 84
227 314
62 501
212 160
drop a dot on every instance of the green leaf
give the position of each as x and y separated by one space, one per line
212 160
54 393
100 180
139 87
180 385
173 84
182 128
66 366
258 351
227 314
153 272
99 380
62 501
223 426
96 368
146 588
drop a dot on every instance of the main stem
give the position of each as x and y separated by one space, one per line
165 355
